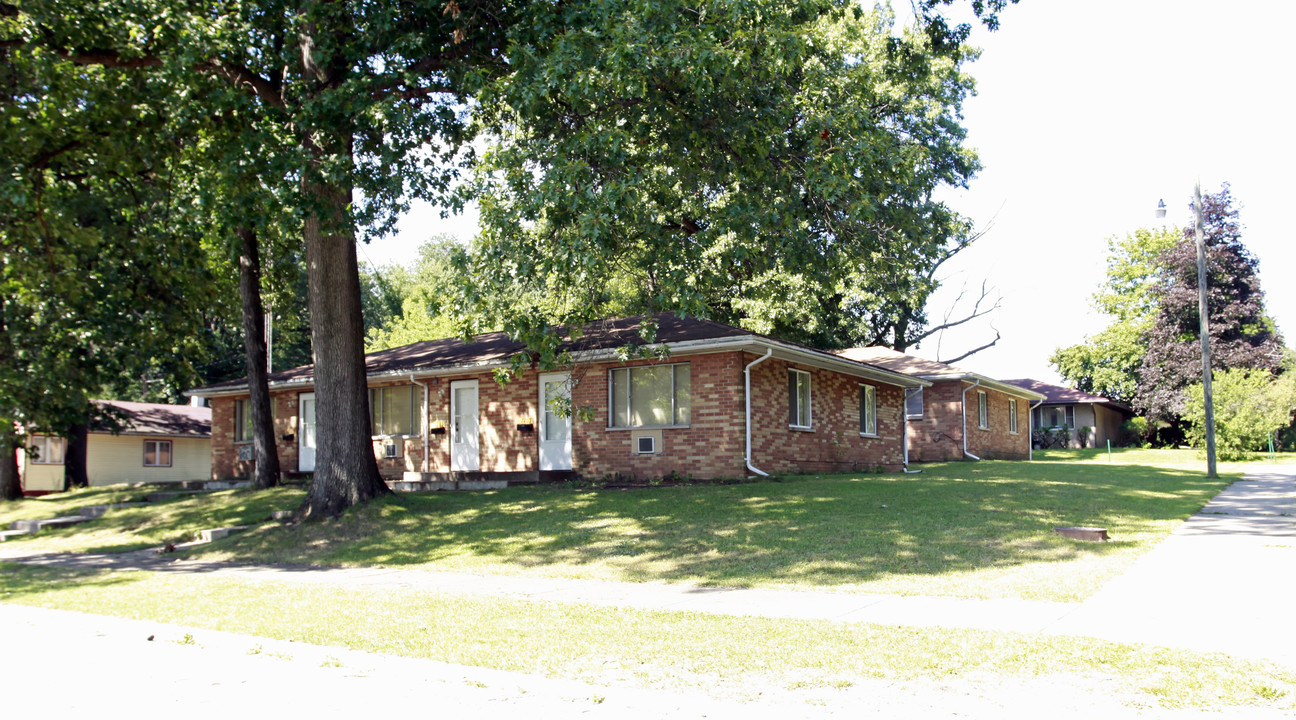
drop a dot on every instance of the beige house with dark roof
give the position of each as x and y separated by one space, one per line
962 415
160 443
1071 410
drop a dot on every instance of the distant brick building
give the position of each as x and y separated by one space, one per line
961 414
438 413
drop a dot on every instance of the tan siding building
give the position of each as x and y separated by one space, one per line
159 443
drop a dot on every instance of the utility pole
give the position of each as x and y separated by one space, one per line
1205 332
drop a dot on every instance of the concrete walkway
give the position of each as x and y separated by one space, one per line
1221 582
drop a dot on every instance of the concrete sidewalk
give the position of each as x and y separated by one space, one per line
1220 583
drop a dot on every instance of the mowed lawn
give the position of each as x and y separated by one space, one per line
955 529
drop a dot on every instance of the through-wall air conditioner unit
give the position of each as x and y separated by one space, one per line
647 444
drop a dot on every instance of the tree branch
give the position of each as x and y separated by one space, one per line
974 351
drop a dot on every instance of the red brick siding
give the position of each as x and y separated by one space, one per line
834 442
711 446
938 435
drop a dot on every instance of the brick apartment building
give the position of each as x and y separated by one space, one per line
961 414
438 413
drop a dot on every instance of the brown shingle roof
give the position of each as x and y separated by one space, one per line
496 348
1057 394
932 370
157 419
894 361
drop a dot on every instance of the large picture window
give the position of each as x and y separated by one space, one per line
651 395
48 450
983 410
799 399
395 410
157 453
868 409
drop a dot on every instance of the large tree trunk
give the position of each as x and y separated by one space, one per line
10 482
345 470
75 472
264 451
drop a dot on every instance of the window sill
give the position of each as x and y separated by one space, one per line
800 428
614 428
870 435
163 467
394 437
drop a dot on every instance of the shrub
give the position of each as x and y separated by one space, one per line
1249 406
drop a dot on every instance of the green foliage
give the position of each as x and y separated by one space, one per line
757 163
102 282
1108 363
414 303
1241 334
1250 405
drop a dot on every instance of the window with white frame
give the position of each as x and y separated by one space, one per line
47 450
799 399
395 410
868 409
983 410
1012 416
914 403
157 453
650 395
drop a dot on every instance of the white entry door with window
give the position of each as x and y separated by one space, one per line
306 433
555 428
464 453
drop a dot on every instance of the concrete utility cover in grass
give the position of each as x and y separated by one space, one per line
1090 534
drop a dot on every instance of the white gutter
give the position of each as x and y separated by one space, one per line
965 392
904 428
747 389
1030 442
427 435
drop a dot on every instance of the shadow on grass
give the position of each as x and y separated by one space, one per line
25 581
822 531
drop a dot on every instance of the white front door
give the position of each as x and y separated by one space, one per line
555 428
464 454
306 433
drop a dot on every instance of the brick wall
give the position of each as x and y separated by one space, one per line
833 443
711 446
938 435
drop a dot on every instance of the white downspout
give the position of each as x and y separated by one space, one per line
904 429
747 389
965 392
1030 442
425 429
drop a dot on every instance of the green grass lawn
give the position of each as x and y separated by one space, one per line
134 528
675 650
982 530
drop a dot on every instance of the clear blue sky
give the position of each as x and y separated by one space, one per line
1087 114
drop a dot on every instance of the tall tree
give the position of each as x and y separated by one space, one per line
1242 335
373 101
769 168
100 273
1110 362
